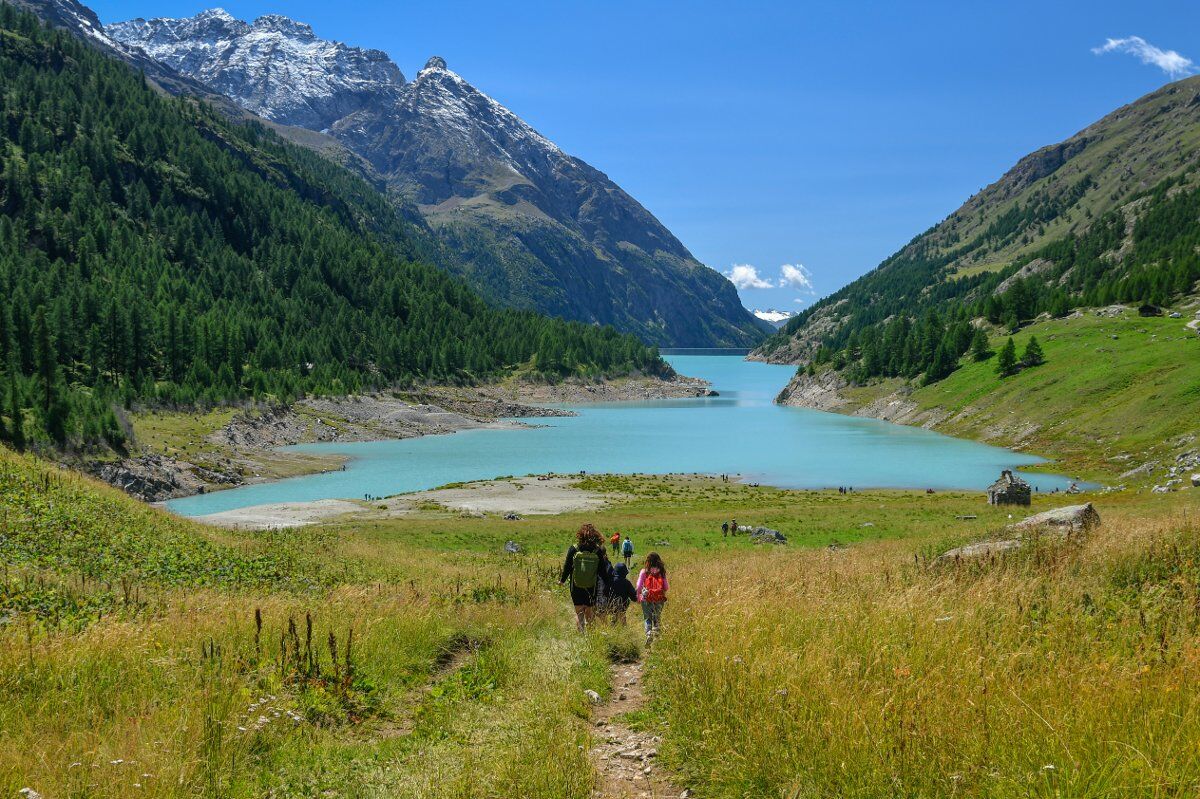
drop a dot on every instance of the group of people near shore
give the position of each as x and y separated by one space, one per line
600 587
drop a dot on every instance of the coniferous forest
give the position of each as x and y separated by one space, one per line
152 251
911 318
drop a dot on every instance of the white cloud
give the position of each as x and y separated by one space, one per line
1169 61
795 275
745 276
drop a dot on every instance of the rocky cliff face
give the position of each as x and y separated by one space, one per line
274 66
532 226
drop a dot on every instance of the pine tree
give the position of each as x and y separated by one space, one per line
980 351
1007 363
45 357
943 364
1033 353
16 418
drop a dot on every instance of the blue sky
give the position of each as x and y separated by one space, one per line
817 134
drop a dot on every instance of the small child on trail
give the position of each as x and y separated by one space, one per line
652 593
627 550
620 594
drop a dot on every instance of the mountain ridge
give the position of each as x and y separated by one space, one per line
534 227
1057 193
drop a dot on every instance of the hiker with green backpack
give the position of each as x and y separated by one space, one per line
588 569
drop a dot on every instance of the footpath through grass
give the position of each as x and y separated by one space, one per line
145 655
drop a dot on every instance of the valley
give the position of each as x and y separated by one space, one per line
311 371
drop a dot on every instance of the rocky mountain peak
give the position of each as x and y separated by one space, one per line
277 23
276 67
533 226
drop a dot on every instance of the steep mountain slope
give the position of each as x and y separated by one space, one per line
534 227
1026 227
152 250
1106 220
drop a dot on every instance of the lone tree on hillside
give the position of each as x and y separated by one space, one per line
980 350
1033 353
1007 363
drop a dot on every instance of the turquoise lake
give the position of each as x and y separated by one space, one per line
740 432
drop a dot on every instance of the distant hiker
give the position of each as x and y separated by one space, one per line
652 593
616 542
582 567
620 594
724 529
733 527
627 550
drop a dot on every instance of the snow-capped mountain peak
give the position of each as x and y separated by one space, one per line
534 226
276 67
774 316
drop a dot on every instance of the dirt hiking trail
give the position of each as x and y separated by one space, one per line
627 761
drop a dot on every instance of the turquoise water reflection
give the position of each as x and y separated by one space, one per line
739 432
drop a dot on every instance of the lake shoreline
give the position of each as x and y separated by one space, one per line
510 499
247 448
739 432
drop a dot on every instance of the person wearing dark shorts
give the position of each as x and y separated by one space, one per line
584 567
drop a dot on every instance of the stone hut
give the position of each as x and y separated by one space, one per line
1009 490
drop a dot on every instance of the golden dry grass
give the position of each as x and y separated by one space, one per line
1065 670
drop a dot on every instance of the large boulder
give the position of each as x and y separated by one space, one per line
980 549
765 535
1072 518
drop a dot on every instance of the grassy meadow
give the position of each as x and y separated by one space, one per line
146 655
1122 388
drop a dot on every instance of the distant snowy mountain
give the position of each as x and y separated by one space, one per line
774 317
532 226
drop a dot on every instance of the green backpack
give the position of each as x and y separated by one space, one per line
584 569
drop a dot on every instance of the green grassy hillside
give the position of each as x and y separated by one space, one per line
1114 393
1109 388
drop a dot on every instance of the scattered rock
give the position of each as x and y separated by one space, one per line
765 535
1073 518
592 696
29 793
512 547
1196 480
512 516
1145 468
